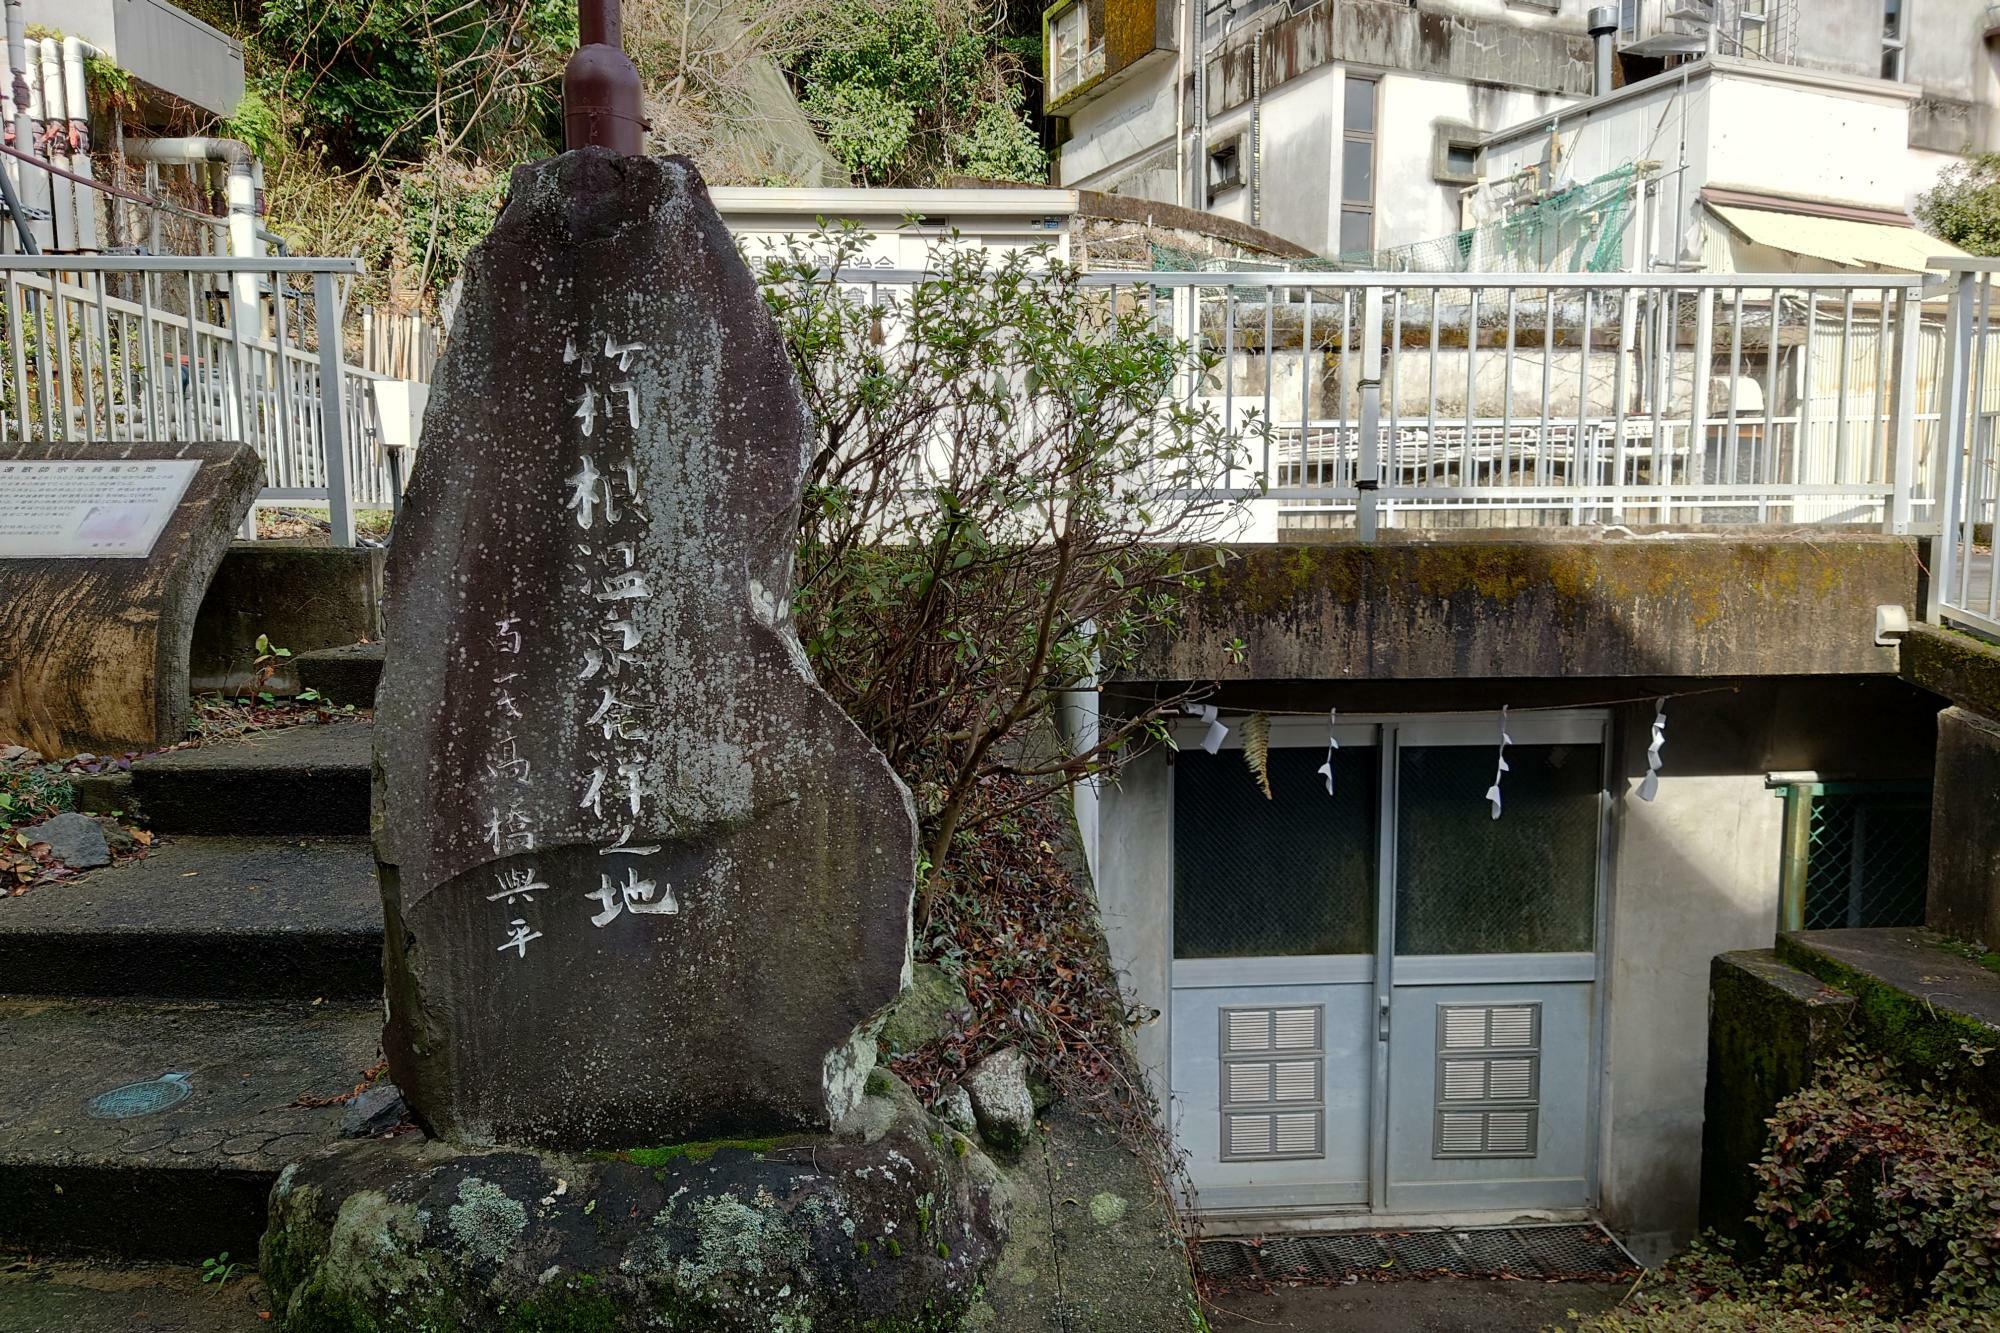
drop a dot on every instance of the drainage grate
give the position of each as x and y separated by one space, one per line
1568 1252
1581 1252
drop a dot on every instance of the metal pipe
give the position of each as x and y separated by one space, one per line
601 106
1602 24
1198 112
36 185
21 126
55 135
245 296
76 108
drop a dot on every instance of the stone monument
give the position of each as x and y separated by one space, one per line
644 881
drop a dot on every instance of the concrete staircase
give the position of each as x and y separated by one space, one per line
174 1030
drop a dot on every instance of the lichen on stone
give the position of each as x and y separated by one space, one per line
486 1221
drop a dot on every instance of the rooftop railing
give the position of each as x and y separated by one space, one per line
1369 402
187 348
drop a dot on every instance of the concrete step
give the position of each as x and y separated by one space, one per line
155 1130
307 781
40 1295
1929 1003
204 919
346 675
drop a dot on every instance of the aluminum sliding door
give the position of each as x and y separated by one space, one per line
1385 998
1491 927
1274 925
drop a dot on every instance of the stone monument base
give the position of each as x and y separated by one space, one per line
892 1222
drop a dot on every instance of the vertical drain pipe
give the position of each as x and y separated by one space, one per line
55 134
33 191
245 298
1198 159
76 108
1602 24
1256 130
39 194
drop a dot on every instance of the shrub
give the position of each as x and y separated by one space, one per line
1964 206
1870 1183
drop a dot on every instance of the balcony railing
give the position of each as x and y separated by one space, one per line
188 348
1964 589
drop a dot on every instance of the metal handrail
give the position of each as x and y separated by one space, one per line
291 264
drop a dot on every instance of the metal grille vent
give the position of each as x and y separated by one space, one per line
1272 1087
1488 1080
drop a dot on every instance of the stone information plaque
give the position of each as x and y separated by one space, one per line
105 552
89 508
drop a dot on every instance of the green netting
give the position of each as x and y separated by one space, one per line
1577 230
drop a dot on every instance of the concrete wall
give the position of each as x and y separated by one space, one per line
1135 894
1696 874
1964 897
300 597
1118 132
1856 154
1526 609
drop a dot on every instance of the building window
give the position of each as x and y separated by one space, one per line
1225 167
1892 39
1455 153
1357 167
1752 26
1075 56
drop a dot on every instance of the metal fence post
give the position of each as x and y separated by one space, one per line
1903 464
1951 440
1368 465
333 417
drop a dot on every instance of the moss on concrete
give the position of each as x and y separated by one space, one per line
1960 667
1460 605
698 1151
1906 1008
1770 1025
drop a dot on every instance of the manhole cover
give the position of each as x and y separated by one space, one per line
135 1099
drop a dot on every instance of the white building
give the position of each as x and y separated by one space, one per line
1356 126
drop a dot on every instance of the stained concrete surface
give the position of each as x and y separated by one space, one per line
1444 1306
206 918
77 1175
304 781
41 1296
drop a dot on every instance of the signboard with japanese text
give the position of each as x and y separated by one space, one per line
88 508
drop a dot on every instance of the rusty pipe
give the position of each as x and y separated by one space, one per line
601 106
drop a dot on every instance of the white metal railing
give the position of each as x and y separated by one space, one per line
190 348
1964 590
1438 400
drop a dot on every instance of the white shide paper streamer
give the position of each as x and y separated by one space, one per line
1493 792
1326 769
1217 733
1650 786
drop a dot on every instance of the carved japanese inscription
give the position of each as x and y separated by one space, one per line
643 879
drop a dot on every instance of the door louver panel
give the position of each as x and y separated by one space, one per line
1273 1098
1488 1080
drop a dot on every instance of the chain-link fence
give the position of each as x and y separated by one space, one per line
1866 852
